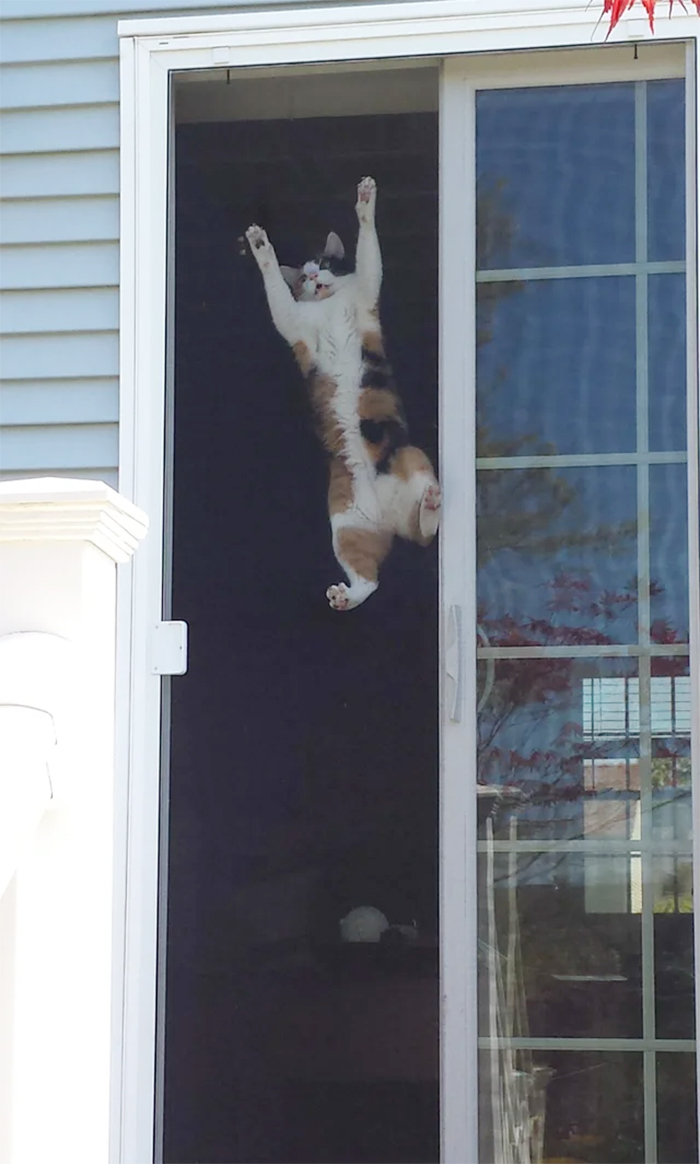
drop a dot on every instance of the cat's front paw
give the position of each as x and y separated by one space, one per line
260 245
366 199
338 597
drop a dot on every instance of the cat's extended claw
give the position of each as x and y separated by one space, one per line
366 198
338 597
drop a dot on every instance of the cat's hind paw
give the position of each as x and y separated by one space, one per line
366 198
338 597
430 507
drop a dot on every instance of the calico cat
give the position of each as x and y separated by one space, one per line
380 485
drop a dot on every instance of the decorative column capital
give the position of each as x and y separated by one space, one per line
59 509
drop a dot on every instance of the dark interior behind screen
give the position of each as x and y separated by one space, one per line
304 771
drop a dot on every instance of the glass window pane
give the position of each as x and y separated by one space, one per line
668 486
578 976
582 1107
672 887
667 363
666 169
555 176
556 367
677 1108
560 739
557 555
671 775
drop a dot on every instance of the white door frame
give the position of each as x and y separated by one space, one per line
151 50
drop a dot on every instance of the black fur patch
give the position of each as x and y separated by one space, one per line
373 431
377 378
372 358
334 265
391 434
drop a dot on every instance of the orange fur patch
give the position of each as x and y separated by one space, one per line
410 460
302 355
323 389
340 490
378 404
372 341
363 550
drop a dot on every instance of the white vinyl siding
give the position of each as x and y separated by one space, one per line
59 231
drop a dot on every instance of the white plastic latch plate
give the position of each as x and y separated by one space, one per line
169 648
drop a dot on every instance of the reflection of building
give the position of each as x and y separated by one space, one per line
613 787
611 707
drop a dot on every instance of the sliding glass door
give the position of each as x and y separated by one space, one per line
585 931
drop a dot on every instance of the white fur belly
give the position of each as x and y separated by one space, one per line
339 356
366 509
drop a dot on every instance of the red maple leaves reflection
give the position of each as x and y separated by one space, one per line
520 744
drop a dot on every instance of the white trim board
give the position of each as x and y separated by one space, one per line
152 50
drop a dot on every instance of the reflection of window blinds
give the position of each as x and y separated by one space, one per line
611 707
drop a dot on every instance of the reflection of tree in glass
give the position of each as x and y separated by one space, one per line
517 745
526 696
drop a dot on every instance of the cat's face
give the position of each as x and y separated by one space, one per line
319 278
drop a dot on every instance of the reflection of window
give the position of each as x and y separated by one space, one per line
611 707
613 809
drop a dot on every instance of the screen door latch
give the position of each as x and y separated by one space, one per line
454 663
169 648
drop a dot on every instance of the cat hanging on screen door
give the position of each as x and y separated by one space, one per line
380 485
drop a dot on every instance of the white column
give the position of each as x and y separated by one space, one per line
60 541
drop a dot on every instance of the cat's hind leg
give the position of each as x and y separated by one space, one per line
360 544
418 496
360 551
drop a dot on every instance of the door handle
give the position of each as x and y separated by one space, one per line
454 663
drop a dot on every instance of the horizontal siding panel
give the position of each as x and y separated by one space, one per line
59 446
61 310
60 265
25 41
36 8
59 402
109 476
59 220
57 175
70 357
81 127
63 83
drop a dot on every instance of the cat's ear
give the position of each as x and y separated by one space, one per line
290 275
334 247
